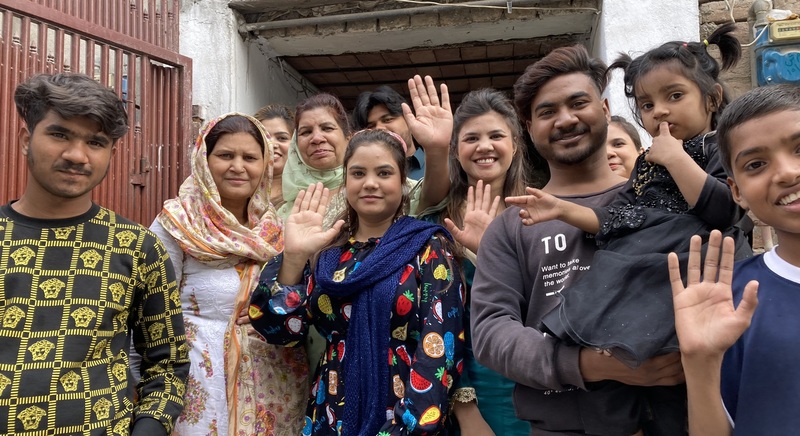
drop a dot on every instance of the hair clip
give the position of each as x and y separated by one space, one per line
399 139
705 41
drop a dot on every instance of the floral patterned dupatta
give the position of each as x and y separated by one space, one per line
211 234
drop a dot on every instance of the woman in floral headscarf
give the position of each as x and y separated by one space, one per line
219 231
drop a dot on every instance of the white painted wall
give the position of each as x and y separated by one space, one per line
229 73
264 79
635 26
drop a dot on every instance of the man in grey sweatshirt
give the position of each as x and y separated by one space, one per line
561 388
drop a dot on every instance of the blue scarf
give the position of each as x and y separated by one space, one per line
374 284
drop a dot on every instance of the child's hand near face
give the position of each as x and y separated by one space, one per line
665 149
539 206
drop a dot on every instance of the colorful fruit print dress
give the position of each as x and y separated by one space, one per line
425 349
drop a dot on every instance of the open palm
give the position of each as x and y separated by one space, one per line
431 123
705 319
303 232
480 212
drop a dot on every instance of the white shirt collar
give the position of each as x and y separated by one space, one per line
781 267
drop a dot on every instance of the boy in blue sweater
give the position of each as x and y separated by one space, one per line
744 380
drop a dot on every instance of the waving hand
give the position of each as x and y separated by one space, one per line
705 319
303 232
480 212
431 123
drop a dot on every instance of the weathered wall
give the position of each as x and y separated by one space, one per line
431 29
716 12
230 73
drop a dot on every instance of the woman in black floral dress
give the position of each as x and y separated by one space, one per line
384 291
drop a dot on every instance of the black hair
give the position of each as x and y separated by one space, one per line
329 102
233 124
71 95
629 130
272 111
383 95
694 62
395 147
755 104
559 62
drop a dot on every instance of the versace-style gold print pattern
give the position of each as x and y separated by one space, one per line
12 317
180 386
101 409
63 232
123 427
117 291
52 287
83 316
152 279
70 381
121 318
31 417
22 256
156 330
159 370
52 295
4 382
175 296
125 238
99 349
183 351
90 258
119 370
41 349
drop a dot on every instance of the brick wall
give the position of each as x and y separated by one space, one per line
716 12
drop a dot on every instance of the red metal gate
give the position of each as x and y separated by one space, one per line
128 45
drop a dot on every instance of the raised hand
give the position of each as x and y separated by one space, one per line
665 148
303 232
705 319
537 207
480 212
431 123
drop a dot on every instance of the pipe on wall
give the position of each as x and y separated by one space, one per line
385 14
